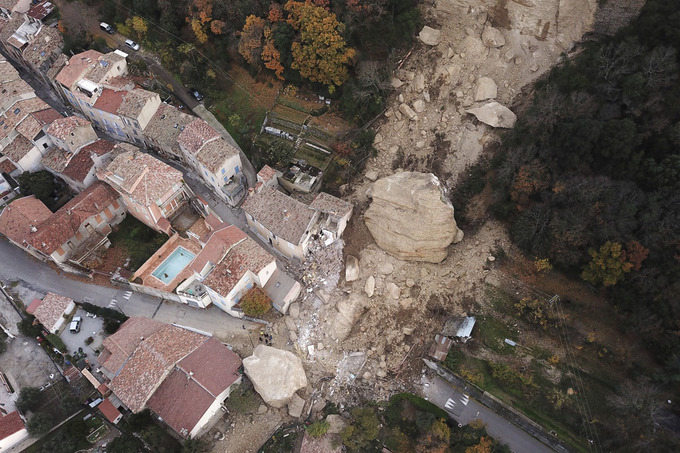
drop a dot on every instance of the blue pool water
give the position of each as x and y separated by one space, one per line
173 265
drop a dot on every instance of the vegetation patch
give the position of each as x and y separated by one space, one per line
140 241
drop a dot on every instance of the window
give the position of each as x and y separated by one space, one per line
224 171
237 170
69 243
16 111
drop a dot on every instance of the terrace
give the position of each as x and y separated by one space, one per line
301 177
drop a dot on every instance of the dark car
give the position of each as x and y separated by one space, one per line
194 92
107 28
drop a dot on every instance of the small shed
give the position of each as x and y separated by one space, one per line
459 329
440 347
111 413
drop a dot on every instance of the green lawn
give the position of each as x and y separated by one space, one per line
313 157
97 434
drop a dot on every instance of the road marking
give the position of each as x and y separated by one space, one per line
127 295
112 304
450 404
465 400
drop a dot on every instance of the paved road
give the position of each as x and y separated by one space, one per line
464 410
37 278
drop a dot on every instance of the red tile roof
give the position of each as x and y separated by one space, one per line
51 310
79 166
109 410
123 343
218 243
47 116
18 149
187 393
245 256
18 217
266 173
284 216
64 223
6 165
329 204
195 135
33 306
76 67
109 100
212 365
10 424
41 10
99 147
150 364
63 127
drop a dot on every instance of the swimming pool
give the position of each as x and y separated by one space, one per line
173 265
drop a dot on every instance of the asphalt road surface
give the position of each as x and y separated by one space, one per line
464 410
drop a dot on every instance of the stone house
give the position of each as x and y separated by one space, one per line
41 52
81 170
71 133
152 190
214 159
163 130
68 236
334 214
183 377
52 311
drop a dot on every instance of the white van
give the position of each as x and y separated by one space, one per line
131 44
75 324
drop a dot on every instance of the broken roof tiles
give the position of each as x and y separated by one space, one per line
284 216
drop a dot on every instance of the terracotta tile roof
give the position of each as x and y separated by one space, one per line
141 176
33 306
282 215
214 154
10 424
151 362
6 165
12 89
109 410
43 47
187 393
266 173
123 343
77 66
46 116
56 159
213 365
181 402
329 204
51 310
62 128
18 217
245 256
15 21
166 125
9 4
134 102
196 134
82 164
219 242
63 224
18 149
109 100
7 71
41 10
99 69
30 105
29 127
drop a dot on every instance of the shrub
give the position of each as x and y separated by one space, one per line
104 312
69 404
318 428
537 312
56 342
365 429
255 302
39 424
27 328
111 326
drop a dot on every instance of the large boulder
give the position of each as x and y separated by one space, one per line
495 115
429 36
275 374
346 315
411 217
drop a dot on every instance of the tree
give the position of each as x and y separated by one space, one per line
359 435
69 404
485 445
30 399
39 424
39 183
319 52
192 445
126 443
636 253
279 152
250 44
255 302
608 265
28 328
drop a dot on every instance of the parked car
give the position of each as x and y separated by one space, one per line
195 93
131 44
75 324
107 28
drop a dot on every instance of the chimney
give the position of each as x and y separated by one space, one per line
33 229
286 214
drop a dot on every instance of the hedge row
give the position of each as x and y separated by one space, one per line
104 312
